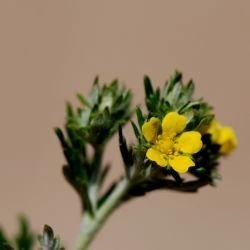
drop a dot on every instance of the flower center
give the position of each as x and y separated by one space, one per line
166 145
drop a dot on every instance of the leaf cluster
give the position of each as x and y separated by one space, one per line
92 124
24 239
100 115
175 96
179 97
104 112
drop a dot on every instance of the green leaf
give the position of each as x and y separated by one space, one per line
82 100
80 185
103 174
96 80
84 117
61 138
169 85
206 120
125 152
106 195
94 95
114 86
189 90
136 130
140 117
6 246
188 106
148 86
25 238
4 242
175 93
69 110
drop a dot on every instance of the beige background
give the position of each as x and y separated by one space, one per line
50 49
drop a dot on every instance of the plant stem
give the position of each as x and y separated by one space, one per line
91 225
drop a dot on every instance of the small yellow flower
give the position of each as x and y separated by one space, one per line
224 136
170 146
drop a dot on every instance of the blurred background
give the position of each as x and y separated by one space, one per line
49 50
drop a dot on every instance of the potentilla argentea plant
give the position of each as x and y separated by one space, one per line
178 134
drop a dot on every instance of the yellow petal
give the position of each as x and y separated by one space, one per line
214 129
181 163
156 156
173 123
150 129
189 142
227 140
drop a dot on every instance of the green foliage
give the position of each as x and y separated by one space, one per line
126 153
4 242
91 125
48 241
25 238
177 96
100 115
78 169
86 132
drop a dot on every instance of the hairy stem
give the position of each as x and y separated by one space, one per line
91 225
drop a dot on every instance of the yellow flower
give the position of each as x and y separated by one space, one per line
170 146
224 136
